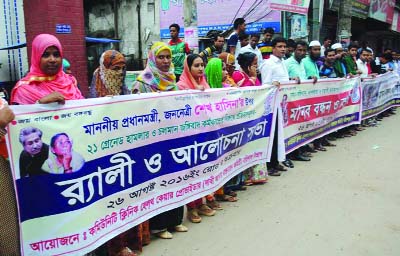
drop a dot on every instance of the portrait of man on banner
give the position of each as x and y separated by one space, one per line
34 152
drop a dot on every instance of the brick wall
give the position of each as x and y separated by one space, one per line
41 16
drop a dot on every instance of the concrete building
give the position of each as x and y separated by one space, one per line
13 54
135 23
362 21
47 17
23 20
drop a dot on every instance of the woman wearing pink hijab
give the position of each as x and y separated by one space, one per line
193 78
46 81
193 74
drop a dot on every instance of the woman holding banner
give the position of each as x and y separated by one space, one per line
218 77
46 81
159 76
193 74
9 238
247 76
193 78
109 77
109 80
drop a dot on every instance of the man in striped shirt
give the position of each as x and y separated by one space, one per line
266 45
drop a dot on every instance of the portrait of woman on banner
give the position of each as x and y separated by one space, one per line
62 158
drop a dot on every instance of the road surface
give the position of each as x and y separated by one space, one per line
346 201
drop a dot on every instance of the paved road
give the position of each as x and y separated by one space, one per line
346 201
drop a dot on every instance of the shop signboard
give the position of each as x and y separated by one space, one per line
382 10
296 6
298 26
396 21
359 8
220 15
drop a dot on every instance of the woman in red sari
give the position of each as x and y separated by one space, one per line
46 81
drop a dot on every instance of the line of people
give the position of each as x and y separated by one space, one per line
171 67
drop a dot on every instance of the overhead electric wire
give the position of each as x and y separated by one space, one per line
237 11
252 8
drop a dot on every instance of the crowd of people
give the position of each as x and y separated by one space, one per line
246 61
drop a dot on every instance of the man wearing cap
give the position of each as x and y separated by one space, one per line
309 62
340 67
342 70
296 72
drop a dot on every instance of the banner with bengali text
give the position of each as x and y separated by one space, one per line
91 169
380 94
295 6
258 16
311 111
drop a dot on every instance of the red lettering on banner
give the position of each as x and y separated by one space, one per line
305 110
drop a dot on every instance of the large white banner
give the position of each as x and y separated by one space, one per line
91 169
380 94
311 111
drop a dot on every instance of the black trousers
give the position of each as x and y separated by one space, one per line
273 162
168 219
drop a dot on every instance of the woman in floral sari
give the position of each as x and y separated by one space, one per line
158 76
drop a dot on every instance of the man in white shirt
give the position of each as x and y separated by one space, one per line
362 62
252 47
327 43
273 70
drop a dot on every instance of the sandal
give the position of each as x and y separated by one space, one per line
281 168
193 216
126 252
328 144
164 234
231 193
260 182
226 198
248 183
206 211
214 205
320 148
331 138
181 228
